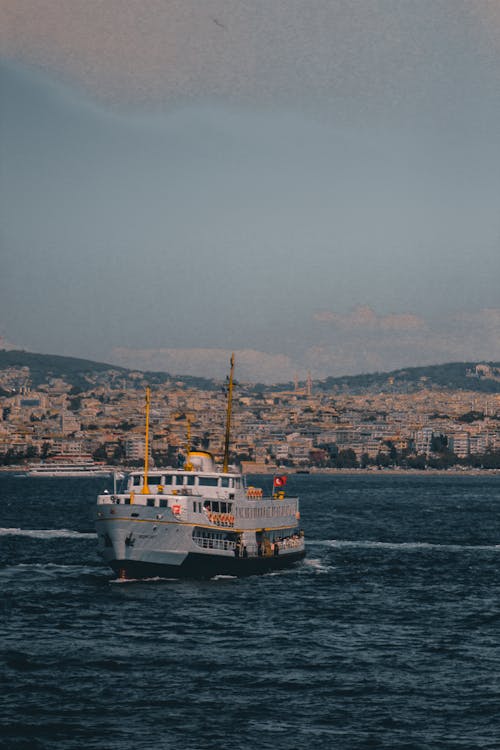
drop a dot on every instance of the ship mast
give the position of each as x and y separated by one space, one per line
145 488
228 416
188 466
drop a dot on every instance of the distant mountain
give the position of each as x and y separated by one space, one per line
470 376
43 367
76 372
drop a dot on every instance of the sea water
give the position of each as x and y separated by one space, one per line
387 636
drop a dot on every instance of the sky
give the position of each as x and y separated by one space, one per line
312 185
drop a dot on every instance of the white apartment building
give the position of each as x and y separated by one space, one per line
69 423
281 451
134 449
423 439
460 444
481 442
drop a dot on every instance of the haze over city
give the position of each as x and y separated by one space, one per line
313 185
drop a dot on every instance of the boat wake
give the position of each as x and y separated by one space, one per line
317 566
152 579
48 533
404 546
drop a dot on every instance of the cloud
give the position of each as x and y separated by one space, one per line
363 316
6 344
402 322
362 341
344 344
487 319
356 342
251 366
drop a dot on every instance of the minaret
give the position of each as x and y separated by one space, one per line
225 466
309 384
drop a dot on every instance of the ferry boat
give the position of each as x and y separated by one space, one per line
69 466
198 521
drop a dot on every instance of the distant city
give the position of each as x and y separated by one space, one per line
61 407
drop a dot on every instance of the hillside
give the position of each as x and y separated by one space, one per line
77 371
46 366
452 375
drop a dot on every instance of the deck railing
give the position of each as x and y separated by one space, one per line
225 544
250 550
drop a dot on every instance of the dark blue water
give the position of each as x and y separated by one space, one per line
386 637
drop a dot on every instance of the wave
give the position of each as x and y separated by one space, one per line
48 533
317 566
152 579
53 569
405 546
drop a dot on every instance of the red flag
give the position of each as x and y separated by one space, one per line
279 481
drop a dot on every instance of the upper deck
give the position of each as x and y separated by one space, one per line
210 484
220 499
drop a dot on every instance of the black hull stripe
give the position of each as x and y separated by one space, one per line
202 566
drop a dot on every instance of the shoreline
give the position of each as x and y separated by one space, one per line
410 472
379 472
324 471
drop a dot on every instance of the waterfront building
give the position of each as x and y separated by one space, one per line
460 444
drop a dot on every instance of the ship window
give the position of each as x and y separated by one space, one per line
154 480
137 481
151 502
163 503
169 479
215 507
189 480
223 507
224 482
208 481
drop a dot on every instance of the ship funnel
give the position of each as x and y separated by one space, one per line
202 461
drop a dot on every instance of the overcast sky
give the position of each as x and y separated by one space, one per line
315 185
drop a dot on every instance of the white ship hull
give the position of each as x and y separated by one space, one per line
70 473
71 466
